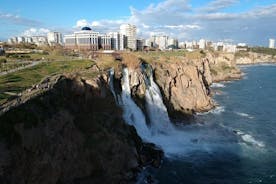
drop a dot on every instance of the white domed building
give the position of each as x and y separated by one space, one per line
87 40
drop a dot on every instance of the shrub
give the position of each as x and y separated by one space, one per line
3 60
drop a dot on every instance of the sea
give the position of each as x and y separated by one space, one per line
235 143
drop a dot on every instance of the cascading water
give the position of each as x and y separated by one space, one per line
174 141
132 113
111 85
156 110
215 152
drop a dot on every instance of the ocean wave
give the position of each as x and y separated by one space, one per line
217 85
217 110
249 139
244 115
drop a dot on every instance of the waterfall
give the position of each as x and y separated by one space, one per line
156 110
111 84
132 113
173 140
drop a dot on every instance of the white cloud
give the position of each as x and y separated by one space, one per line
184 27
177 18
35 32
82 23
217 5
18 20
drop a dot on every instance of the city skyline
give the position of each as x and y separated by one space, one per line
249 21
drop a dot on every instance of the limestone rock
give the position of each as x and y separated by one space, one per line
183 86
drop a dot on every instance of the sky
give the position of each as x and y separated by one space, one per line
234 21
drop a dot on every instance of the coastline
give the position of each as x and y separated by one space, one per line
176 80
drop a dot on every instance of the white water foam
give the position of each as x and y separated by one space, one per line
249 139
156 110
132 113
217 110
173 141
244 115
181 141
217 85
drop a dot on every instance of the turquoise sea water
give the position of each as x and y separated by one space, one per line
233 144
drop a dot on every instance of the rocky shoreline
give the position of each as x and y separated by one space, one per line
74 132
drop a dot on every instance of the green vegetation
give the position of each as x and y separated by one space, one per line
221 68
105 62
170 56
18 81
52 56
263 50
6 66
241 54
3 60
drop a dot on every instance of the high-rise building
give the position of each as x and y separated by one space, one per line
172 43
28 39
161 41
39 40
140 44
130 32
202 44
117 41
271 43
20 39
54 38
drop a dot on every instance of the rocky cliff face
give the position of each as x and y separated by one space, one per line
184 85
255 58
223 67
73 133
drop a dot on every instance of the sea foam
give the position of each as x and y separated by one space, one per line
217 85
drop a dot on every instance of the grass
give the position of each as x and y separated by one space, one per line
170 56
12 65
18 81
131 60
221 68
38 56
263 50
105 62
241 54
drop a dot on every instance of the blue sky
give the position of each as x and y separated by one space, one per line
251 21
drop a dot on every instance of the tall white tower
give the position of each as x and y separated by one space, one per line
271 43
54 38
130 32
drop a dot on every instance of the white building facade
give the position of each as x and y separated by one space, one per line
86 39
54 38
271 43
130 32
202 44
117 41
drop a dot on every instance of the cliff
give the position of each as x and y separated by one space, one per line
69 129
254 58
184 84
223 67
71 133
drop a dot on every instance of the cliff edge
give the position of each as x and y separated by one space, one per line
71 133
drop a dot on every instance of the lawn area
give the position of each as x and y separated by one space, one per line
23 79
170 56
12 65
